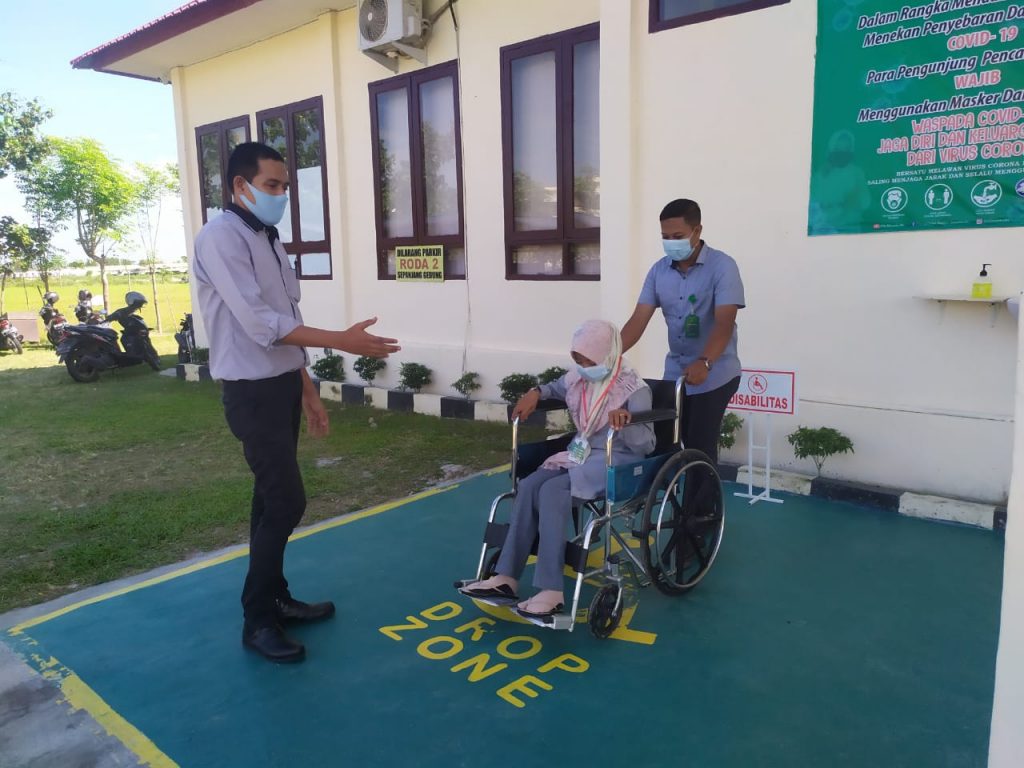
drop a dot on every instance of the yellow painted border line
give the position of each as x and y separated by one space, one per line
79 696
228 556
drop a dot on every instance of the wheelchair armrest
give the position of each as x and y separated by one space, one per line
551 405
649 417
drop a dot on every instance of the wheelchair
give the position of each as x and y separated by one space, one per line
661 519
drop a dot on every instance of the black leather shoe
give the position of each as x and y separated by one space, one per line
296 611
272 643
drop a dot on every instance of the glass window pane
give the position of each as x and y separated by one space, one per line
455 262
534 145
586 135
537 260
316 264
234 137
586 258
677 9
394 159
391 268
274 136
292 258
210 165
441 184
272 130
309 184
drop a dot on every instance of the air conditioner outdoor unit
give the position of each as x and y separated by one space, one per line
389 28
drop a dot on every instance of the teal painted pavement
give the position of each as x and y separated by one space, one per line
825 635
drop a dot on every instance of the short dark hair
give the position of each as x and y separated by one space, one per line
245 160
684 209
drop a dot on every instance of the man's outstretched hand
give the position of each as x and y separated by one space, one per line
357 341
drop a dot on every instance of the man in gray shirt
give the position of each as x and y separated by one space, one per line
249 299
699 291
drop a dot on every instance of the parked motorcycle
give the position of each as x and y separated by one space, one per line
9 336
84 311
53 319
89 349
186 338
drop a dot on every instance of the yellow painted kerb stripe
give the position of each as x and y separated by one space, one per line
81 696
224 558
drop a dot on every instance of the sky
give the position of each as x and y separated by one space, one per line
133 119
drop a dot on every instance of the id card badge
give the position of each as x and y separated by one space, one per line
579 450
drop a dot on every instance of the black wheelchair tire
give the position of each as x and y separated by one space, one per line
706 550
605 611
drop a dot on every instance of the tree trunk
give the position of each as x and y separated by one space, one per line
45 277
3 289
156 300
106 285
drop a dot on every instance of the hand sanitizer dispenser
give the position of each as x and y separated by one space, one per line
982 287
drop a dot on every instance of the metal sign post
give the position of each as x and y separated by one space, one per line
765 391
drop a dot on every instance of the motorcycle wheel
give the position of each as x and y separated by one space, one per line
151 357
15 345
83 374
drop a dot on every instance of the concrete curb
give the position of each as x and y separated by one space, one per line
974 514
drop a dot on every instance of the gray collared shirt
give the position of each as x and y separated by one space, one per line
248 297
713 281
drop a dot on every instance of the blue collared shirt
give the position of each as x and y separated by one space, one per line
248 297
713 281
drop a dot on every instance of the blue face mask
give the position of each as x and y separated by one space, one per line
594 373
267 208
677 250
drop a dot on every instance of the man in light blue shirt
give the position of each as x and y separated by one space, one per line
699 291
249 298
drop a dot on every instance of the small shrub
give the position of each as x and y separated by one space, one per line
467 384
551 375
730 425
818 444
330 367
414 376
368 368
201 356
516 385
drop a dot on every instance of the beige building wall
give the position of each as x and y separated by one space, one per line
721 112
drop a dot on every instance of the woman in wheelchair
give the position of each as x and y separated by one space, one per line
601 392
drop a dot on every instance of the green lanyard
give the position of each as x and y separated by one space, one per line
691 325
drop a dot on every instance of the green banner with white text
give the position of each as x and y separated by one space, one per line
918 116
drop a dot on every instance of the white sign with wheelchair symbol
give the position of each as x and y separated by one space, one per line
768 391
765 391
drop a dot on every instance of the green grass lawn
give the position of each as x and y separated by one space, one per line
175 300
103 480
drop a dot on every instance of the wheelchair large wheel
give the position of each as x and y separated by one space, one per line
683 521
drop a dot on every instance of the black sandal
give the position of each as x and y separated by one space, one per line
502 591
541 615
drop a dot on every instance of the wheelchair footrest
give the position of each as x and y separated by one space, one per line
561 621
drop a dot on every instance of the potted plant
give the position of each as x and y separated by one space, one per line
818 444
461 407
330 372
550 375
367 368
513 387
412 378
730 426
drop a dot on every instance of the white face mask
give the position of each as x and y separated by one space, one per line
266 207
677 250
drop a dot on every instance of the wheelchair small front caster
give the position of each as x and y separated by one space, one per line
605 610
